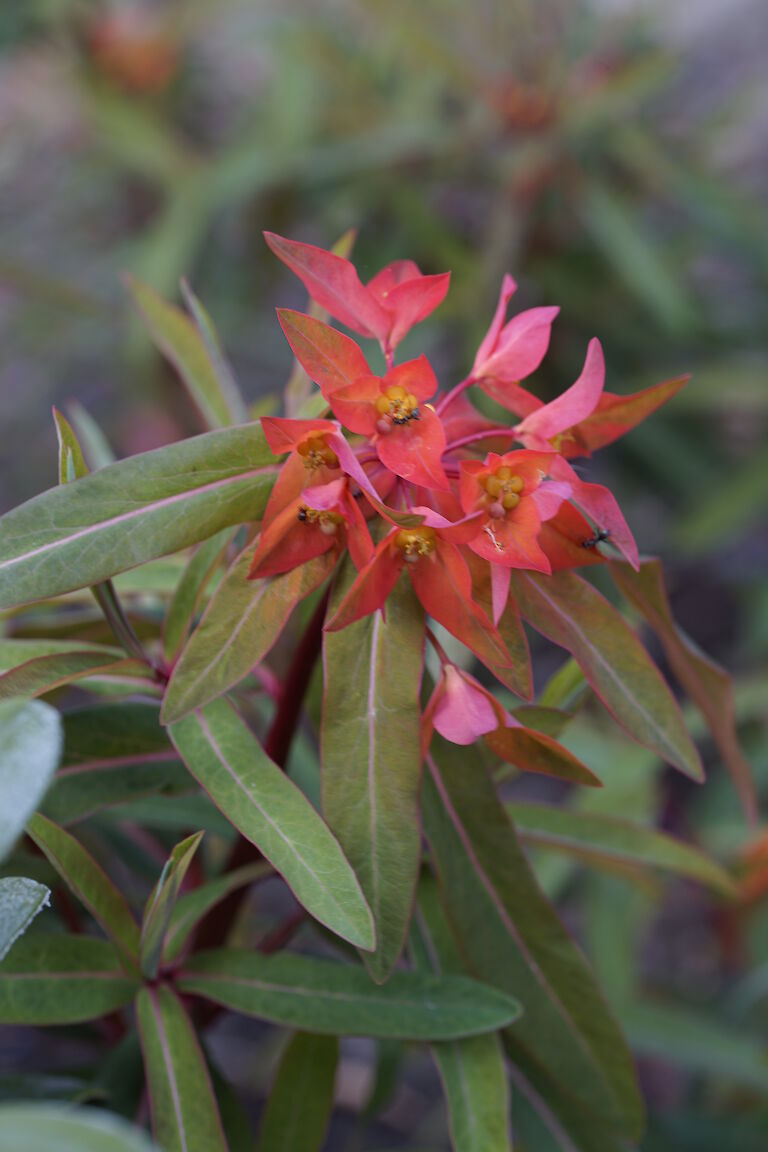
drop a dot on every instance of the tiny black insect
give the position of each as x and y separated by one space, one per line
302 514
415 415
599 537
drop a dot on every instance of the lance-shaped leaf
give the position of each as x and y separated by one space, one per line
534 751
83 789
595 838
240 625
185 1116
30 746
340 999
53 979
512 938
269 810
696 1041
189 350
20 901
306 1075
90 884
72 463
573 614
228 387
17 651
96 449
709 686
371 760
72 466
194 906
189 592
63 1128
160 905
113 753
46 673
472 1070
149 505
545 1119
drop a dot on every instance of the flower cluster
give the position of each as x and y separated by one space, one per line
410 479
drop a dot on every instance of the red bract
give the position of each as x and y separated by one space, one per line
616 415
312 458
318 453
311 524
510 352
440 578
507 491
550 425
462 710
398 297
391 411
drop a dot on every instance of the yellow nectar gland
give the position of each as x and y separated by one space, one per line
327 522
396 406
415 542
317 454
502 489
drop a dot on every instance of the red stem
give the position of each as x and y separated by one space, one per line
486 434
449 397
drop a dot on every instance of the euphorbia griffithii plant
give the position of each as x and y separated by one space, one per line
422 535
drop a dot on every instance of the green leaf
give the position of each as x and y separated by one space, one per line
20 901
240 625
630 249
72 464
81 533
189 592
545 1119
601 838
472 1071
15 652
224 374
708 685
97 450
512 938
475 1088
185 1116
340 999
54 979
548 721
573 614
696 1042
42 1127
534 751
161 902
183 344
194 906
565 688
371 760
46 673
30 746
90 884
84 789
305 1078
269 810
112 753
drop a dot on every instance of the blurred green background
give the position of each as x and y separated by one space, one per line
610 155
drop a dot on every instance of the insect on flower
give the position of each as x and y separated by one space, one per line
601 535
